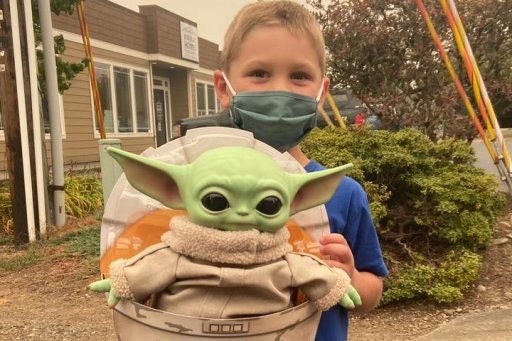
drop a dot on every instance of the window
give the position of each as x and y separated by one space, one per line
124 98
206 99
141 101
104 88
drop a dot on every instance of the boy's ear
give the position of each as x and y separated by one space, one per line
156 179
313 189
221 89
325 89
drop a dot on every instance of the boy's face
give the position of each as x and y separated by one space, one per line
271 58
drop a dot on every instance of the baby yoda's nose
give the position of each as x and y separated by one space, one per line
243 211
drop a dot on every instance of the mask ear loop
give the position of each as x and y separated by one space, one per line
233 92
320 94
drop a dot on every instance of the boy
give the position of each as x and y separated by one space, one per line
272 80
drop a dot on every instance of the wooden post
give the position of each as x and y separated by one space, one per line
11 123
28 108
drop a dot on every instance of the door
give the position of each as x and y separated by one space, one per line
161 116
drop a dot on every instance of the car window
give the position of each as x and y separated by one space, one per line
341 100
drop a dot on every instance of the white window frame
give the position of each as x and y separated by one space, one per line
206 83
111 64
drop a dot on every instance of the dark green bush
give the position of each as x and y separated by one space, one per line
443 283
427 201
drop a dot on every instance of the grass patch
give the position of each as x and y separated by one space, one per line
22 260
84 243
6 240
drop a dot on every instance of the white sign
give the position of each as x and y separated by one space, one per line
189 42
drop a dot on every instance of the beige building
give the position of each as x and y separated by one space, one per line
152 69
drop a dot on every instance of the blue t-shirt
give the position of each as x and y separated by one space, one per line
349 214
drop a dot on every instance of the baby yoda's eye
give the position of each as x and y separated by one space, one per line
269 205
215 202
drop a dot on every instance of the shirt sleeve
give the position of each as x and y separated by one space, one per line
349 214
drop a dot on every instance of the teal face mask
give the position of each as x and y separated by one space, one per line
280 119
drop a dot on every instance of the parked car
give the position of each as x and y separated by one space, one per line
348 106
221 119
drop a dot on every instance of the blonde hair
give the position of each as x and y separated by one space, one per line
291 15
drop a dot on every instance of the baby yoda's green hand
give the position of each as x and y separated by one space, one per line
351 299
106 286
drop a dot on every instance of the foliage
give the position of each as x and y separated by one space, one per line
84 194
84 197
444 283
384 52
427 200
5 207
66 70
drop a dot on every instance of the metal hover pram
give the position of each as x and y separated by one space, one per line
133 222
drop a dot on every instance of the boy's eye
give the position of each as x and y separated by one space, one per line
300 76
269 205
259 73
215 202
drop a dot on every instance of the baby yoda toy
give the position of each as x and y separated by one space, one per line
229 257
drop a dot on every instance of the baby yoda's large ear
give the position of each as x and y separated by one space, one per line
316 188
156 179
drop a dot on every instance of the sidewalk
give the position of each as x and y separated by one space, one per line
484 160
487 326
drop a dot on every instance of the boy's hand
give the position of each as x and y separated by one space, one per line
338 253
106 286
351 299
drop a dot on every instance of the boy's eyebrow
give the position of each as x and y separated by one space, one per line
258 63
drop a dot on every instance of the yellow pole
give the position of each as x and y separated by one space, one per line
469 68
455 79
335 110
326 118
487 101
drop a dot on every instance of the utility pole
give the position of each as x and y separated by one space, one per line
52 87
11 123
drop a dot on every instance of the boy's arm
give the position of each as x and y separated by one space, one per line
368 285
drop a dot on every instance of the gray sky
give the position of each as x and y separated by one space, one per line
212 16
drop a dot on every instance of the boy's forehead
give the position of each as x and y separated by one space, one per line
266 44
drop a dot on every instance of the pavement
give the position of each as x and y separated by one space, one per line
486 326
485 162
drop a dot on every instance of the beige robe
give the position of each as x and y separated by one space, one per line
204 272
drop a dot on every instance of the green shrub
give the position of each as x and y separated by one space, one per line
443 283
84 196
5 207
427 200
